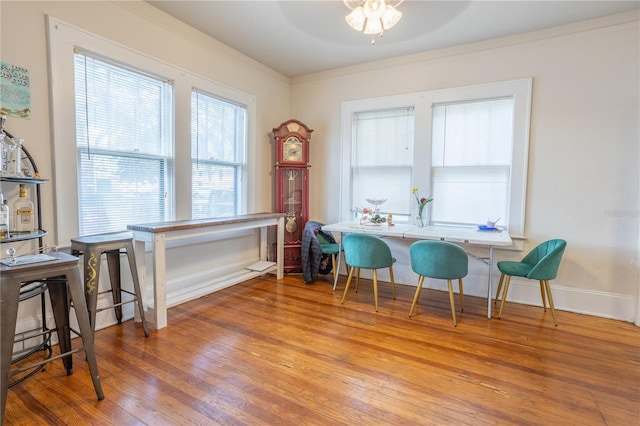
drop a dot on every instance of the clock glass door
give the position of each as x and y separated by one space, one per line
292 203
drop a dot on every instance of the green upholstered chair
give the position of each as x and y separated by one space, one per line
440 260
364 251
328 248
540 264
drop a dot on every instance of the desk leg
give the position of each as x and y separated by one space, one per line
489 290
9 296
159 281
335 278
280 249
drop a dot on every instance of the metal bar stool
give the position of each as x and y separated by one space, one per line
92 247
11 278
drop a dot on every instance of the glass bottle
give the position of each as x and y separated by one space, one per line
23 209
4 217
3 155
14 156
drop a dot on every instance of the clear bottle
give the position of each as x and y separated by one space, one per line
3 155
4 217
14 156
23 209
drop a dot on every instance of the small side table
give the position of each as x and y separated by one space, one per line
11 277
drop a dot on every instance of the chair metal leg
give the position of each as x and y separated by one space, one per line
375 289
499 288
504 294
136 288
113 264
460 289
333 265
417 296
542 291
553 310
393 285
91 283
453 303
346 287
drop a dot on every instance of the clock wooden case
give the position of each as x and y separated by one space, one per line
292 186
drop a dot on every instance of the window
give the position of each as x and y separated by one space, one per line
121 137
218 160
471 161
383 145
123 145
469 151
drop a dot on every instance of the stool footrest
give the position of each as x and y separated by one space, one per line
115 305
39 364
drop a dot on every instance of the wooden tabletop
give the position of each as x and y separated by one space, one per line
178 225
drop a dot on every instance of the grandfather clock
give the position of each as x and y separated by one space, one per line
292 187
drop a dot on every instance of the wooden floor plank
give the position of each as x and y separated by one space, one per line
278 352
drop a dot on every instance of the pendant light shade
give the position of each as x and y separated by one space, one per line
373 16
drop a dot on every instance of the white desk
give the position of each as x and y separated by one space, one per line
454 234
159 233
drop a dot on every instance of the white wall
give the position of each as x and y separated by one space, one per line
583 160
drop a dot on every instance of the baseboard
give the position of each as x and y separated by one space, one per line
589 302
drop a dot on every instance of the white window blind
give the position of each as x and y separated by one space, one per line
218 145
382 159
472 144
123 131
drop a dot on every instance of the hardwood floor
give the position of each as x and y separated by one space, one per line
268 352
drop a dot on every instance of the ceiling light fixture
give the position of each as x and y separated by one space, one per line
373 16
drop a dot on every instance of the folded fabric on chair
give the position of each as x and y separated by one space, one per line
314 261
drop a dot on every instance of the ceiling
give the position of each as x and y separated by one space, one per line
302 37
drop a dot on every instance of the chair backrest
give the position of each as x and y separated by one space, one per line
438 259
546 259
366 251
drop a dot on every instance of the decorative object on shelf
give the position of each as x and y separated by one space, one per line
373 16
16 93
28 176
11 155
370 216
292 186
4 218
422 202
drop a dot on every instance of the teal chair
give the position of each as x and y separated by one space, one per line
329 248
363 251
440 260
540 264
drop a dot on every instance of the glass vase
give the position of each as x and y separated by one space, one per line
420 221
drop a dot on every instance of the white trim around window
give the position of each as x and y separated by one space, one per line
63 41
520 90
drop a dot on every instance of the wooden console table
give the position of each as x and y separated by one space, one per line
157 234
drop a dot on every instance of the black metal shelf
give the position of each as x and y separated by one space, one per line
30 290
20 179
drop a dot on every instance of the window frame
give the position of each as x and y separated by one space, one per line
240 162
63 40
520 90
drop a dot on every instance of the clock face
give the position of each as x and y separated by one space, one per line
292 150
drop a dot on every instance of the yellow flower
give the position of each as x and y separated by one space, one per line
414 190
